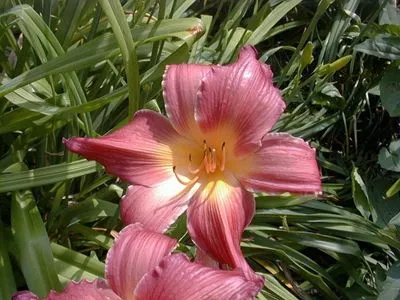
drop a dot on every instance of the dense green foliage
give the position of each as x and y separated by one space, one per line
82 67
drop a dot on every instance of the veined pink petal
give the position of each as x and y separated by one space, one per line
217 218
242 98
283 164
135 252
24 295
205 260
177 278
142 152
156 207
180 86
85 290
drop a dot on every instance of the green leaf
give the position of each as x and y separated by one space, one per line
329 96
88 210
93 235
104 47
7 283
341 23
46 175
394 189
270 21
281 201
18 119
390 91
23 97
391 286
360 194
389 159
116 16
387 209
274 288
382 46
33 245
76 266
314 240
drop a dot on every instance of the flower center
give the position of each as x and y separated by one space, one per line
212 160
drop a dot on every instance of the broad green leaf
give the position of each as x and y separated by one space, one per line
387 209
390 91
389 158
390 14
382 46
33 245
329 96
391 286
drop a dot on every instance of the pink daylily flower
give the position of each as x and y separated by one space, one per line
139 266
208 157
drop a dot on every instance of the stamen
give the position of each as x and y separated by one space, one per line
180 179
190 167
207 161
223 157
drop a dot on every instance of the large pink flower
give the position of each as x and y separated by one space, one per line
209 156
139 266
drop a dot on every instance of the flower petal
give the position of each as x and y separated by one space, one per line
96 290
142 152
205 260
241 97
180 86
24 295
135 252
283 164
217 218
155 207
177 278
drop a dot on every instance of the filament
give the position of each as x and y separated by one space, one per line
178 177
190 167
223 157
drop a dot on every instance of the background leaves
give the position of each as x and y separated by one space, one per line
75 68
